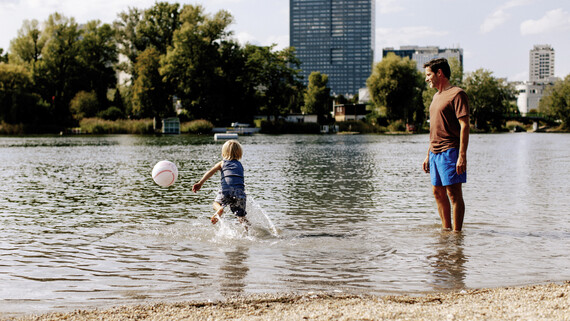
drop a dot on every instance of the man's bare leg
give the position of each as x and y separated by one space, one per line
455 194
443 206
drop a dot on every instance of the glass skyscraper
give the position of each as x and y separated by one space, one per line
336 38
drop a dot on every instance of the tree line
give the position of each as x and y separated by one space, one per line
59 72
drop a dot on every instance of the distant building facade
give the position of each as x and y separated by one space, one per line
421 55
541 74
345 112
529 95
336 38
541 64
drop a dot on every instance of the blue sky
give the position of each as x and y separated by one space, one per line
495 34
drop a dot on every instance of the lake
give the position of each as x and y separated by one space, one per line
84 225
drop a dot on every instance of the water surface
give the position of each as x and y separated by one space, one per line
83 224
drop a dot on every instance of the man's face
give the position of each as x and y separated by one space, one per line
431 78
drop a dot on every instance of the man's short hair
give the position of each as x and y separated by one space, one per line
439 64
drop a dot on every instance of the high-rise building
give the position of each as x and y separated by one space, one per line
421 55
541 64
336 38
540 75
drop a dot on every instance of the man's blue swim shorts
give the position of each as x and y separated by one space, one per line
443 170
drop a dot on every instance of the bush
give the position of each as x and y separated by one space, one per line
515 125
359 127
111 113
397 126
84 104
123 126
198 126
11 129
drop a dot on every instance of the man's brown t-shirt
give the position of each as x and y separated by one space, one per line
445 110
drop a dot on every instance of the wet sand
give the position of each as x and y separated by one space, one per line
536 302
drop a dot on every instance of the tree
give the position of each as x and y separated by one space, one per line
317 96
3 57
396 87
130 43
28 46
84 104
192 63
278 82
97 55
58 72
556 101
150 98
489 99
136 30
18 103
158 25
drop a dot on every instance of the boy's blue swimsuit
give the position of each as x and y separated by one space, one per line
232 192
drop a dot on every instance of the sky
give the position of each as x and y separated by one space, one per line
495 35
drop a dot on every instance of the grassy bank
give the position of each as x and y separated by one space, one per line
138 126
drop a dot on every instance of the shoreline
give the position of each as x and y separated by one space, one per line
543 301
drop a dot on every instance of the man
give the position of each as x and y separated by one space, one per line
446 160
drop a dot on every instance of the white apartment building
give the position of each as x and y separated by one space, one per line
421 55
541 74
541 64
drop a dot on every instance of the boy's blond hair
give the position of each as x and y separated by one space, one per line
232 150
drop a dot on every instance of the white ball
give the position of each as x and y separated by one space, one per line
164 173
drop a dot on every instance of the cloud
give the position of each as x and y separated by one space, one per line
501 15
554 20
407 35
280 42
245 38
388 6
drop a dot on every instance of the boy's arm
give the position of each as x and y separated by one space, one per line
206 176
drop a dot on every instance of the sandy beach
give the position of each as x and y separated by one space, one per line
536 302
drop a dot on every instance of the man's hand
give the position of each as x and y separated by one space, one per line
425 165
461 164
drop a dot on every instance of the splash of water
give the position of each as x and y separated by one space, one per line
260 225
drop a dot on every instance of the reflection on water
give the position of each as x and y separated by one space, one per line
448 262
83 224
234 272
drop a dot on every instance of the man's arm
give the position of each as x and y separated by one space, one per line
463 143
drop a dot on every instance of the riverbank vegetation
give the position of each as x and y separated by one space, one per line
180 60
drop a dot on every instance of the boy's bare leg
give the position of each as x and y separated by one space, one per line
219 211
244 222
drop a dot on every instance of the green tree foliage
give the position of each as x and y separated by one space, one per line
556 101
396 88
84 104
65 59
171 52
138 29
279 86
18 103
489 99
130 43
3 57
158 25
191 65
96 57
317 96
28 46
57 74
150 98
